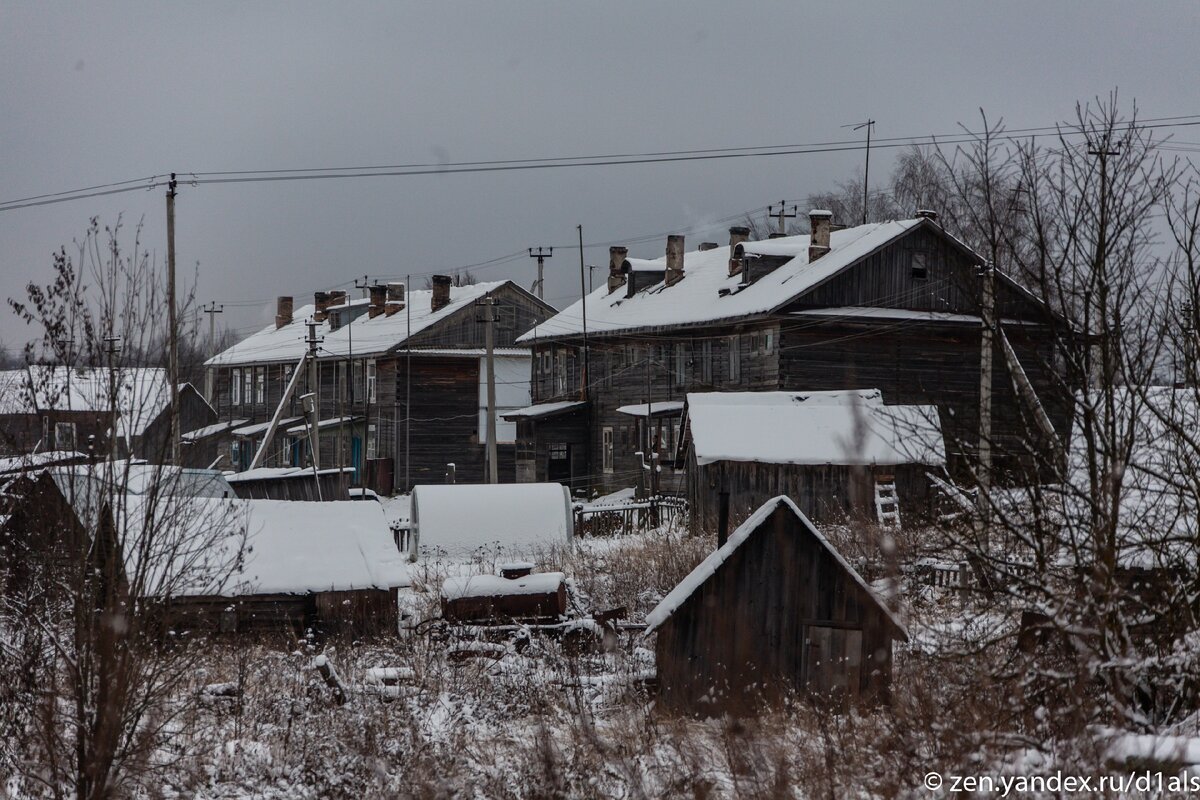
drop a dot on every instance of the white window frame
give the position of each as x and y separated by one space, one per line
680 364
248 385
372 441
606 448
235 387
706 361
260 385
371 380
735 359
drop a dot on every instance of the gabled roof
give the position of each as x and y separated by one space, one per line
709 566
840 427
363 335
698 298
142 393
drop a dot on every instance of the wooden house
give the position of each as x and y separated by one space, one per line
894 306
45 408
220 564
774 611
399 382
840 456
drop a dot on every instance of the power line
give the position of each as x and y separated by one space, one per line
404 170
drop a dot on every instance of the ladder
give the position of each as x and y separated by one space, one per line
887 503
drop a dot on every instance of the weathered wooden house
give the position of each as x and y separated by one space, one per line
894 306
774 611
840 456
218 564
399 383
45 408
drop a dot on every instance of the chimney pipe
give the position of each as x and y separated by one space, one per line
283 311
378 294
737 235
928 214
320 303
674 259
441 292
819 223
616 260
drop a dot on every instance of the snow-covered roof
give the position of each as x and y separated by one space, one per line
461 586
697 298
211 430
709 566
663 408
42 459
277 473
328 422
517 518
261 427
361 335
142 393
544 409
841 427
231 548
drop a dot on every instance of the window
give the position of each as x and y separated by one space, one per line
680 364
735 359
248 385
706 363
920 267
64 435
607 449
560 372
371 380
769 342
46 443
372 442
341 368
235 387
260 385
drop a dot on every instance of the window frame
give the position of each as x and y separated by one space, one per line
607 449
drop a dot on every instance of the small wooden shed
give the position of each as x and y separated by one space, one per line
839 455
776 610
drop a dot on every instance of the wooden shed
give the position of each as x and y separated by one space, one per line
775 610
840 455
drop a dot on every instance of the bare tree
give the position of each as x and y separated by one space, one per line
95 554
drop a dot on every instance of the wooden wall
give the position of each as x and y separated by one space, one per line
743 637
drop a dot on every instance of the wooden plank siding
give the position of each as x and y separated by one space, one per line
745 636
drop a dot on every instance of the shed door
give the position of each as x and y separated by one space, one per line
833 660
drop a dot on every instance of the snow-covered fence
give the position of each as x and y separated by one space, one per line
627 516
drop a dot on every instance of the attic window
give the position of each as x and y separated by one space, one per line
920 269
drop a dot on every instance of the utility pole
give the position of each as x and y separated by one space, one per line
541 255
489 304
988 319
173 322
112 346
408 301
212 309
583 383
314 389
869 124
781 215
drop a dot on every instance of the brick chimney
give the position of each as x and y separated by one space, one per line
441 292
283 311
674 259
320 303
378 294
819 223
737 235
616 260
395 299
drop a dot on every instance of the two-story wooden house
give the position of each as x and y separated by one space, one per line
400 383
894 306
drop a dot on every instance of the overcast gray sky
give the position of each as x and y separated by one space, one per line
100 92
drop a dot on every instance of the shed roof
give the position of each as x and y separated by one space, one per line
709 566
840 427
543 410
